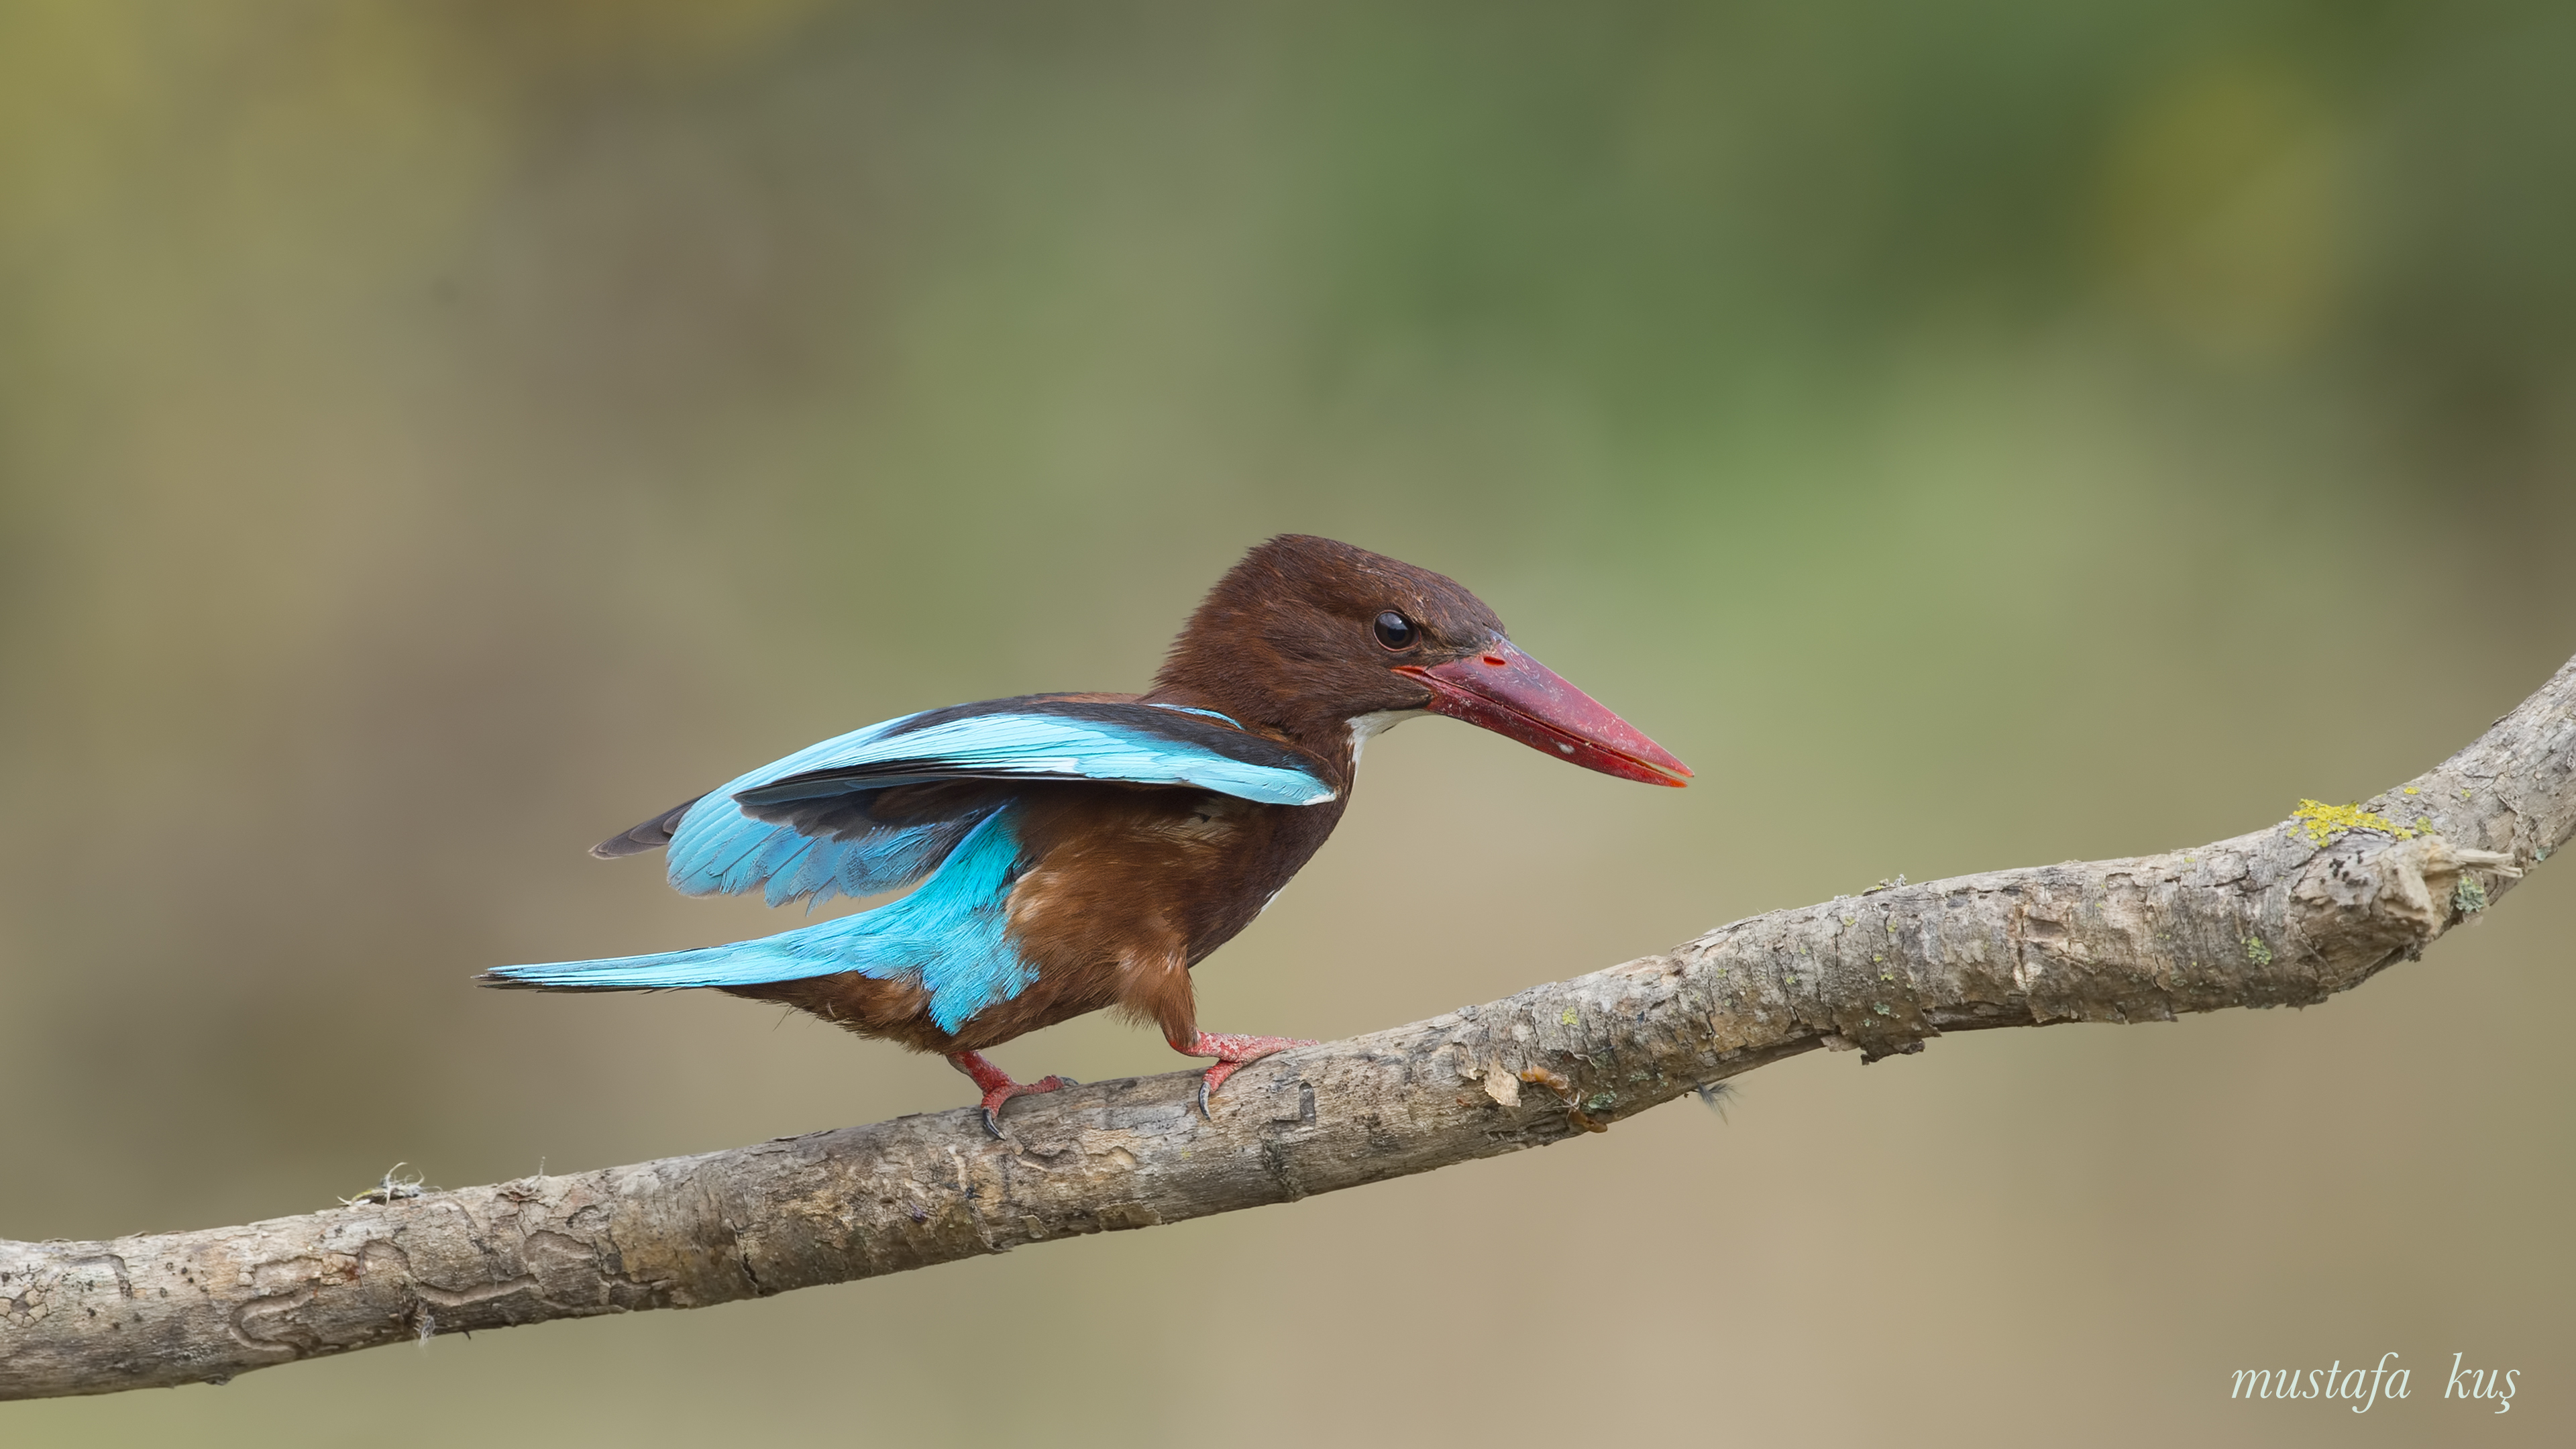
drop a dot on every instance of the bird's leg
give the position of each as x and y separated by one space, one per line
1231 1052
998 1086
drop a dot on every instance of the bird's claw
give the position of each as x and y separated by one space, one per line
994 1099
1232 1054
999 1088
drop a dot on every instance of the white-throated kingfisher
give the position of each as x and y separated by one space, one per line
1076 851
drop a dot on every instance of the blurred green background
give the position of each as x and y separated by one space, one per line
433 436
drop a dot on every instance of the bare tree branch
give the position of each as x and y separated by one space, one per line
2285 916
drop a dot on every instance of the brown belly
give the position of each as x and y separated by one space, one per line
899 1010
1124 889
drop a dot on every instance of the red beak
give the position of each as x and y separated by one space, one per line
1508 692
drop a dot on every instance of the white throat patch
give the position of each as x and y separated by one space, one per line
1365 727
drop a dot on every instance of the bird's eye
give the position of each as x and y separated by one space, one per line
1396 631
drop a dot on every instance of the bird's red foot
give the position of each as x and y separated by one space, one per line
998 1086
1231 1053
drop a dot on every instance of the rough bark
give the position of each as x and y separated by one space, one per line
2287 915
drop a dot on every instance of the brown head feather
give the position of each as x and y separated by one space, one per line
1284 642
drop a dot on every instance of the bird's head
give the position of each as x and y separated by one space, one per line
1310 635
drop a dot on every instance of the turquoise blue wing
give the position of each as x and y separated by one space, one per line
878 808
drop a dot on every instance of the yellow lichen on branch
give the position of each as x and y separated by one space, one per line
2322 822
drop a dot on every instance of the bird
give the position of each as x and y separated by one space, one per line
1074 852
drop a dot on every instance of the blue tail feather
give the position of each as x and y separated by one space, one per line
950 936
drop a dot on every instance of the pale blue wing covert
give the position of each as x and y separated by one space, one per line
751 833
